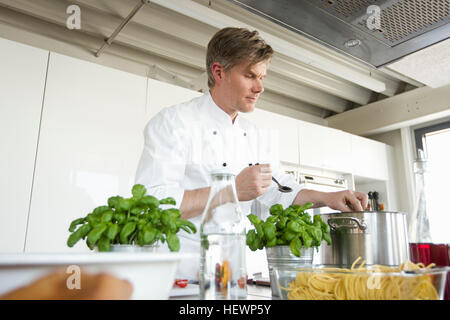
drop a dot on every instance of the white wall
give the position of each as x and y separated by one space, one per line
401 177
90 141
161 95
22 79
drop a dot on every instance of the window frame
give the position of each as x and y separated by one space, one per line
421 132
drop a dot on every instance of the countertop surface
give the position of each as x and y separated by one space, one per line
254 292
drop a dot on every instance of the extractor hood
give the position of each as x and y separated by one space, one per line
376 32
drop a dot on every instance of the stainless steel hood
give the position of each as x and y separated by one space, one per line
405 26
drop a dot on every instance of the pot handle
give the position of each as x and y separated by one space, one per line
334 226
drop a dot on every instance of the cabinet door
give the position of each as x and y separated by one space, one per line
337 149
90 143
369 158
22 81
161 95
324 148
310 144
282 129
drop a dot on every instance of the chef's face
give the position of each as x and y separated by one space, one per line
242 85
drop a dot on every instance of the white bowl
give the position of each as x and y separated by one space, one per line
151 274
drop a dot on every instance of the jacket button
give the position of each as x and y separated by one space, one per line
224 164
214 132
245 134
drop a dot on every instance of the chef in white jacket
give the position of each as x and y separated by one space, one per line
185 142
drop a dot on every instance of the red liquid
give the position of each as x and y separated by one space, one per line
432 253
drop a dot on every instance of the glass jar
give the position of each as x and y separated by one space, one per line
419 225
223 273
421 247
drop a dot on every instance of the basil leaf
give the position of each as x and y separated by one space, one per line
168 200
104 244
269 230
149 202
100 210
173 242
276 209
296 247
113 231
113 202
255 220
75 223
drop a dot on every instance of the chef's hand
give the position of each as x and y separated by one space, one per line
253 181
54 287
346 201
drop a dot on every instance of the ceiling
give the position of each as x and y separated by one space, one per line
431 65
305 79
374 31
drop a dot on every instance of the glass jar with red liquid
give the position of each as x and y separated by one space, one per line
421 247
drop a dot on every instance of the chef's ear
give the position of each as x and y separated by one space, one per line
218 72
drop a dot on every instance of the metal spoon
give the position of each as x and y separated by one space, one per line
280 187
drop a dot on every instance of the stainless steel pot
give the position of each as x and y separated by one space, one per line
379 237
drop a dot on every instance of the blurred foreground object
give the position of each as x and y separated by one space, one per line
54 286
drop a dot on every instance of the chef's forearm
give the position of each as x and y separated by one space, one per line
194 202
306 195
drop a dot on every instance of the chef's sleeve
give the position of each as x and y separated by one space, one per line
162 164
273 196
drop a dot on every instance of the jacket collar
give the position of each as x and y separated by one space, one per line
217 114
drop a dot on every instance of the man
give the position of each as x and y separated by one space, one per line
183 143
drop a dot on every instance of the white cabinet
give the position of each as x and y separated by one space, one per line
283 130
330 149
319 147
310 144
337 151
324 148
90 143
22 81
369 158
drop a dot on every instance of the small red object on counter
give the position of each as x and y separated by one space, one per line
241 282
182 283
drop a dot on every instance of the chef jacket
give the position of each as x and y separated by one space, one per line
185 142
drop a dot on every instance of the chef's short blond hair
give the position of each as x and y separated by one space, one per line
231 46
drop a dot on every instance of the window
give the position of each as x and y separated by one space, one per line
435 142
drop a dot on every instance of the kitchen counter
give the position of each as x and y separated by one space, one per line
254 292
257 292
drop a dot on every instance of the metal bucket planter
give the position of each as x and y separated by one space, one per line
133 248
281 256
